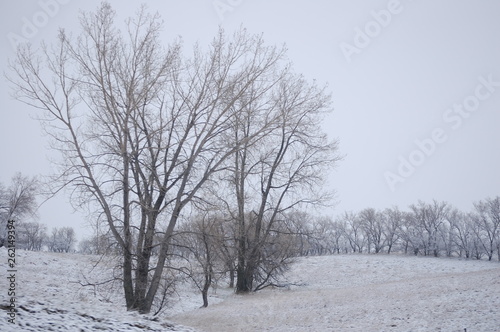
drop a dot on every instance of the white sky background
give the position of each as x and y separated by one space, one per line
399 88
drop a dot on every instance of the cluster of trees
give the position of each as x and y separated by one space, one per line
210 247
158 143
33 236
434 228
205 247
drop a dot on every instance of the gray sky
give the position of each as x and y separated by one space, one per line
416 88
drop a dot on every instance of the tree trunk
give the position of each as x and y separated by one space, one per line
206 287
128 287
231 278
141 281
244 280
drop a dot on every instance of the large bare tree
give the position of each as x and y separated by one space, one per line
284 170
142 129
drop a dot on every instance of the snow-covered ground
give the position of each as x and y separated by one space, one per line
50 298
366 293
329 293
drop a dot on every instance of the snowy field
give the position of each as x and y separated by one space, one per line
367 293
330 293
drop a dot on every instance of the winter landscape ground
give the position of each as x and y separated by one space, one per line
327 293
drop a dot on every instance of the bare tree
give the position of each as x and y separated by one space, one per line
302 223
487 218
17 201
86 247
446 237
461 225
285 169
429 217
478 238
321 241
372 223
201 237
31 235
393 219
142 130
353 231
62 239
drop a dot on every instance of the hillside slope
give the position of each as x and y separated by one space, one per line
49 297
329 293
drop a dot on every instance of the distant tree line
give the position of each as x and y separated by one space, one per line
34 236
429 229
208 243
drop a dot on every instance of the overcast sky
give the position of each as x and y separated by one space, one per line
415 84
